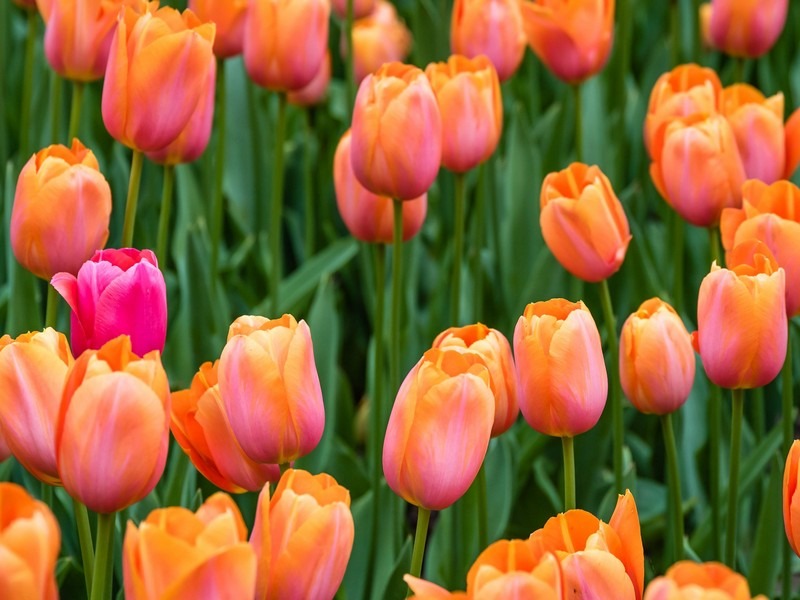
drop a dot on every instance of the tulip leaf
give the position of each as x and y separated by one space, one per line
769 537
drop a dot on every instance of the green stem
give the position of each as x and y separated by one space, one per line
176 477
787 408
27 89
75 110
714 441
713 246
423 518
616 398
397 292
47 494
133 199
51 313
674 482
256 151
218 211
163 219
458 248
738 70
757 413
479 223
308 184
678 231
733 478
576 92
104 558
85 541
483 509
675 30
56 86
349 67
283 467
568 447
277 207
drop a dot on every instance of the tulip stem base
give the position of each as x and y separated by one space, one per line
75 110
397 292
283 467
678 234
674 483
85 542
616 398
421 535
51 312
27 88
163 219
133 199
787 402
576 92
308 184
104 558
56 88
714 440
483 509
479 223
218 210
733 478
277 208
568 447
458 248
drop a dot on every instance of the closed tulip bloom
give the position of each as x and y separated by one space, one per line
61 212
33 371
30 541
303 537
369 217
316 89
492 28
112 434
380 37
791 498
285 42
792 137
563 383
229 17
468 93
396 145
583 222
157 74
571 37
201 428
697 168
439 428
656 359
493 347
270 388
116 292
687 580
747 28
361 8
175 553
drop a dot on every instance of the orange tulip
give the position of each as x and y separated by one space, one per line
369 217
315 91
201 428
492 28
656 359
303 537
791 499
270 388
747 28
361 8
493 347
757 124
583 222
229 17
175 553
62 208
741 319
33 371
30 541
563 383
157 75
571 37
285 42
113 428
468 93
378 38
396 145
687 580
792 133
439 429
697 168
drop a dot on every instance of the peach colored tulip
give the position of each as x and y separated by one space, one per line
303 537
61 212
747 28
157 75
316 89
468 93
33 371
361 8
396 145
229 17
771 214
270 388
492 28
112 433
439 429
285 42
175 553
571 37
563 383
697 168
583 222
381 37
201 428
757 124
369 217
687 580
792 133
493 347
656 359
741 319
30 541
791 498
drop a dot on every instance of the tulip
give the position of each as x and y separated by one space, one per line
112 433
361 8
33 371
285 42
741 319
314 92
396 145
157 75
757 124
270 388
30 541
572 38
493 347
61 212
116 292
229 17
369 217
656 359
303 537
583 222
439 428
791 499
175 553
201 428
378 38
468 94
771 214
492 28
792 133
687 580
697 168
746 28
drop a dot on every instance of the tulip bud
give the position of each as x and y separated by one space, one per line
792 137
116 292
229 17
791 499
361 8
314 92
688 580
61 212
380 37
747 28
